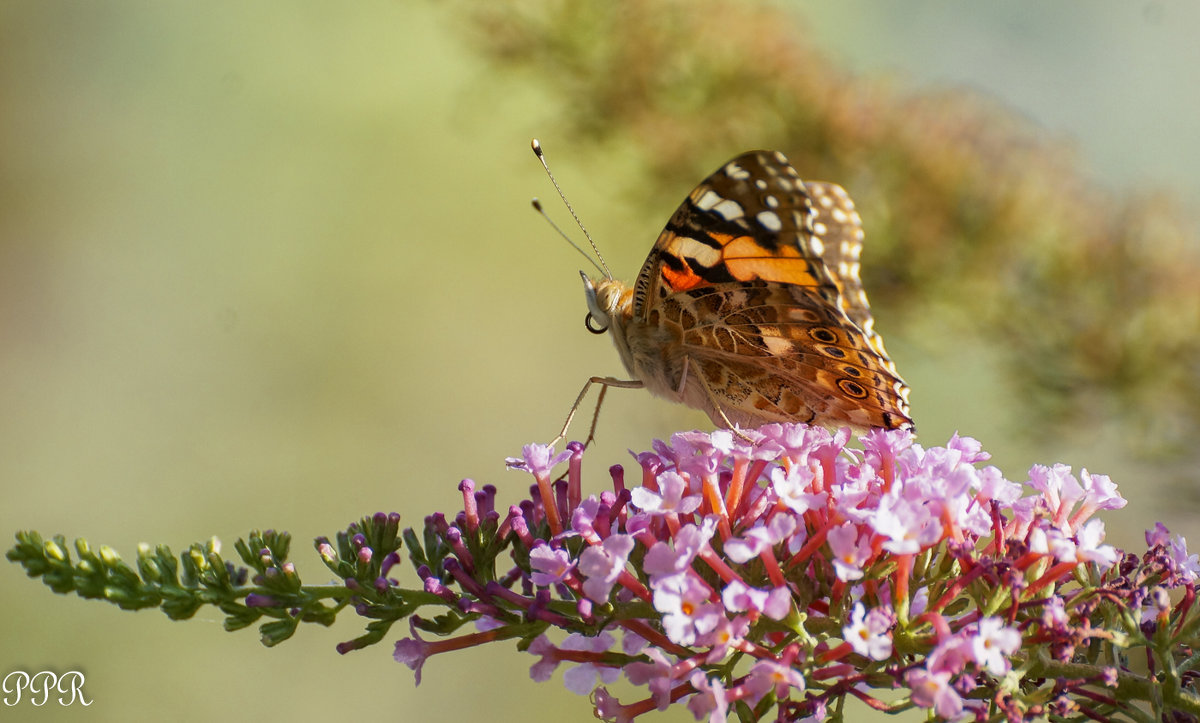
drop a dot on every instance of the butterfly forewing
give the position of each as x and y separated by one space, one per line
750 307
752 219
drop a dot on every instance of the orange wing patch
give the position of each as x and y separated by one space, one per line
681 280
746 259
726 257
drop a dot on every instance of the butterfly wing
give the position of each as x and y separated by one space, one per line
755 279
751 219
774 351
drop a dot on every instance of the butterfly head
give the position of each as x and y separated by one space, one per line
607 300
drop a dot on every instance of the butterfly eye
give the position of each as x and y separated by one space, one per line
590 322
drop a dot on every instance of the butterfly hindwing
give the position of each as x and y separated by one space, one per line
839 227
779 352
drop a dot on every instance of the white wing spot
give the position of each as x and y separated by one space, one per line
825 201
736 172
701 253
707 200
729 210
785 184
760 184
820 229
777 345
797 313
769 220
840 216
816 245
771 202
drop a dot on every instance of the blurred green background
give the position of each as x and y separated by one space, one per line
272 265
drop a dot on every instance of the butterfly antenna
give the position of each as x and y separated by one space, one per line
537 151
537 206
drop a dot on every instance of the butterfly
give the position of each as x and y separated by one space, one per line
750 307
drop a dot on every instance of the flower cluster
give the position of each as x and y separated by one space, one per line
779 569
764 573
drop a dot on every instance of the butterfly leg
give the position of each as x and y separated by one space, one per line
605 383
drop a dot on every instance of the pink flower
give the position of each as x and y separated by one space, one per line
686 613
794 441
671 499
657 675
1054 614
993 643
767 675
881 444
413 652
760 537
970 449
993 486
538 459
951 656
582 679
739 597
583 517
603 565
794 487
549 566
724 637
1059 489
850 551
933 690
778 604
908 527
663 560
544 668
709 699
1158 535
1100 492
1188 565
867 633
1088 547
609 708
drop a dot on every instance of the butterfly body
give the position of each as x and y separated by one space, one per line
749 306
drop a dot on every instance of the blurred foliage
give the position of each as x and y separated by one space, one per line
268 586
978 222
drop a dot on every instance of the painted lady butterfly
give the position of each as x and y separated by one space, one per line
750 308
